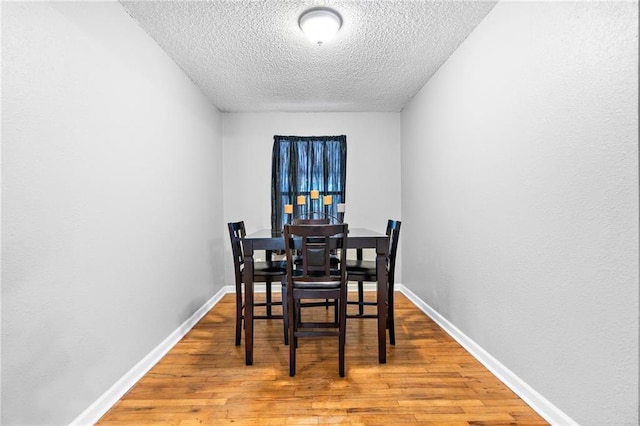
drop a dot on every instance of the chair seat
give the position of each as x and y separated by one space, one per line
275 268
361 267
315 285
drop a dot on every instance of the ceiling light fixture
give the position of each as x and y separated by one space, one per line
320 24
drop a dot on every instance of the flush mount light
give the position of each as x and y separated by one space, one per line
320 24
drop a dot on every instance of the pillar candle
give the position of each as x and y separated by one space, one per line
328 200
301 200
288 208
315 194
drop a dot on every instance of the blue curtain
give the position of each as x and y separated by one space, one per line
301 164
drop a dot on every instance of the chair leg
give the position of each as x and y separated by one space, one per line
360 298
390 318
342 328
238 315
297 319
268 291
285 313
292 339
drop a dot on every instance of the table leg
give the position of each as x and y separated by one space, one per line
248 303
381 272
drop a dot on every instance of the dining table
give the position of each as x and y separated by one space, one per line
357 238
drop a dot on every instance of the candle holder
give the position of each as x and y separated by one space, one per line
327 200
288 211
314 195
323 210
301 201
341 207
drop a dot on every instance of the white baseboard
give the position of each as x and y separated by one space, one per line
540 404
96 410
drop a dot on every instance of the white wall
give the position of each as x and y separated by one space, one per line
373 165
521 155
111 223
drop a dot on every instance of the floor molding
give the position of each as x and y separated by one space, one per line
96 410
540 404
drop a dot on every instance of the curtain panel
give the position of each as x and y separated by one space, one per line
301 164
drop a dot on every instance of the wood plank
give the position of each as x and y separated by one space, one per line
428 379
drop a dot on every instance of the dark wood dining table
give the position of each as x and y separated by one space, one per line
358 238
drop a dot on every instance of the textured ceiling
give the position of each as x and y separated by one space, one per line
251 55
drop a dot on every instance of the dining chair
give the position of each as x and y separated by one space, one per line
315 279
267 271
365 270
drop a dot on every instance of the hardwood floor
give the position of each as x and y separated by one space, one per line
428 379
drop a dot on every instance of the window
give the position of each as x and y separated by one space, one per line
301 164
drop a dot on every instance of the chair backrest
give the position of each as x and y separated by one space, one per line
315 244
393 232
310 221
237 233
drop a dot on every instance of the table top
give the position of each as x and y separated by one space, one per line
267 239
353 232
